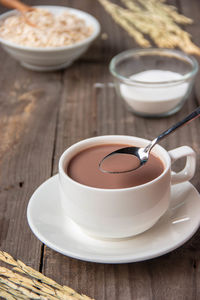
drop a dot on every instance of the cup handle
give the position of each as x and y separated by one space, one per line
188 171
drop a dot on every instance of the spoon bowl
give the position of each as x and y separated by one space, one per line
131 158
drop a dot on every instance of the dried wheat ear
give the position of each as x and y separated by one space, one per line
155 20
23 282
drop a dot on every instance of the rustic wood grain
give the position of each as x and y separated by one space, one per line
41 114
28 120
28 112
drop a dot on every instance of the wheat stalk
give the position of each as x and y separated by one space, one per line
118 15
155 19
23 282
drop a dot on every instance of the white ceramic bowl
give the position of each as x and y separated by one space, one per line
51 58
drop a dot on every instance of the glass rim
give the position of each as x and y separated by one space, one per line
152 51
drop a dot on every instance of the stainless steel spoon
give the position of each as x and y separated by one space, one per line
142 154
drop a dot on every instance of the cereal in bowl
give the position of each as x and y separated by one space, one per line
49 31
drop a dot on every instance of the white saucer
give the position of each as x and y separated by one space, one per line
62 235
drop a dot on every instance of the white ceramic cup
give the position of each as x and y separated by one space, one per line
120 213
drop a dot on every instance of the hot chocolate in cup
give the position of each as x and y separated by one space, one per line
120 212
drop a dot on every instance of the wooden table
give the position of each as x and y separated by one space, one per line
41 114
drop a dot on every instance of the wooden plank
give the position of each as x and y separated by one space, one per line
28 111
190 250
191 10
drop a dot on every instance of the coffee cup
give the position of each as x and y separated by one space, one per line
121 212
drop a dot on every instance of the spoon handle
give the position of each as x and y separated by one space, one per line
15 4
183 122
